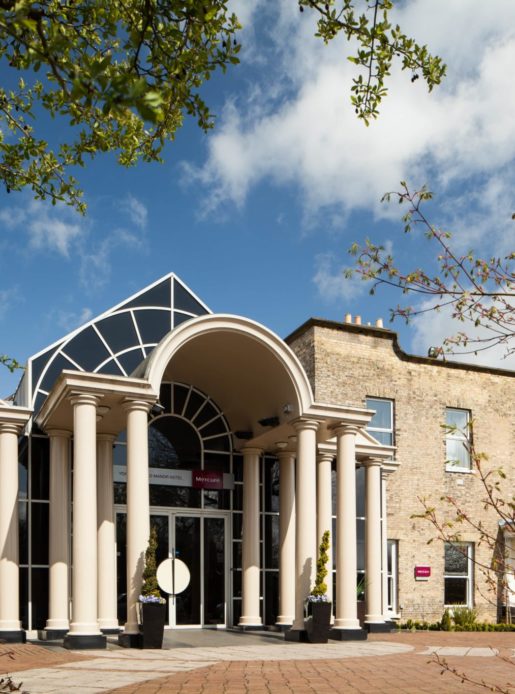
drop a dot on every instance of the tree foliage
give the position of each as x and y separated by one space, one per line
119 74
379 43
479 292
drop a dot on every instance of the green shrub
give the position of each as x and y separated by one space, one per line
464 617
446 621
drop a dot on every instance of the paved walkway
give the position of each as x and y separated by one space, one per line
228 663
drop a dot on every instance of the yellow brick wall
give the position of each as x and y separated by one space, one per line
345 365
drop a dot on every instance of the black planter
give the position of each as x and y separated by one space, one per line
153 616
318 621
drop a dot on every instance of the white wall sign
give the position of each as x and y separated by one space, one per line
172 478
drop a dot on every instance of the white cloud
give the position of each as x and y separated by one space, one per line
307 134
95 258
7 298
331 282
69 320
135 210
431 329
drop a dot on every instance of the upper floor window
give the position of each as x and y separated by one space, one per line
457 439
381 424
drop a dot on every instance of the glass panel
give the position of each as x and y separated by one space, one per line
333 486
237 466
184 301
195 402
111 368
361 543
121 565
165 397
207 413
180 393
236 611
39 469
118 331
86 349
360 492
179 318
383 415
217 462
218 443
59 364
39 598
271 597
24 598
187 548
236 584
131 360
120 493
236 555
456 418
173 443
39 364
456 453
456 561
120 454
271 485
23 468
217 499
214 571
455 591
24 532
183 497
153 325
237 524
160 523
237 497
271 542
156 296
39 533
384 437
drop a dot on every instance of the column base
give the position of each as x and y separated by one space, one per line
296 635
379 627
348 634
130 640
84 641
16 636
52 634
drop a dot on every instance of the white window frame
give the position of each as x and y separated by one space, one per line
392 577
468 549
461 436
371 429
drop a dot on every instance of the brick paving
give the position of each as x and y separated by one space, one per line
405 673
400 662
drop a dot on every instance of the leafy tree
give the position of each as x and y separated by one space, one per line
121 74
480 292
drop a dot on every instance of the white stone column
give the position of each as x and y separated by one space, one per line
306 519
138 511
250 603
106 535
84 631
325 511
346 623
58 622
10 625
286 538
373 584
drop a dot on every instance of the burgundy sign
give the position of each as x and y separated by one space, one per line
202 479
422 572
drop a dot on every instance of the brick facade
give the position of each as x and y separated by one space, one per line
347 363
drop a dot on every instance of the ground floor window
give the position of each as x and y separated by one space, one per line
392 568
458 573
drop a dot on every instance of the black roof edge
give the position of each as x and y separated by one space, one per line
387 334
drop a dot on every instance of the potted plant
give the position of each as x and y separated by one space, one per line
153 606
318 608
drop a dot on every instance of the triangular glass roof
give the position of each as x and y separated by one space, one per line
115 342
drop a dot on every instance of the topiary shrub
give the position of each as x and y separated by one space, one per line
446 621
464 618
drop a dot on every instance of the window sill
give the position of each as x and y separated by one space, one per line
461 470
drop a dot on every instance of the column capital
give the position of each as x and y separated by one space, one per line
372 462
302 424
131 405
58 433
111 438
10 428
82 398
342 428
325 456
252 450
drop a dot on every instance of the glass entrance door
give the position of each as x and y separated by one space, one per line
201 542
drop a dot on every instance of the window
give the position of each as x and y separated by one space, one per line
457 439
381 424
458 574
392 555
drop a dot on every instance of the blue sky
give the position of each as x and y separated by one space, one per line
257 216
